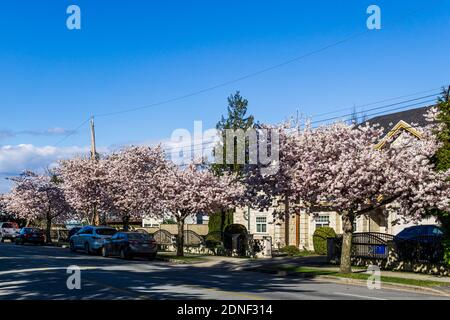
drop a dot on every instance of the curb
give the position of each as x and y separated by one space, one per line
388 285
358 282
176 261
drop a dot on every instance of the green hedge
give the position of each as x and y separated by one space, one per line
320 239
215 221
290 250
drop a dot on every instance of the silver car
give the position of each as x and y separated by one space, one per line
8 230
90 238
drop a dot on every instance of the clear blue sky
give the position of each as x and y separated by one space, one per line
134 53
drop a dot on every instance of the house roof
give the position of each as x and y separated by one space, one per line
389 121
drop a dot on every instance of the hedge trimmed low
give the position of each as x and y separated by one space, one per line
290 250
320 239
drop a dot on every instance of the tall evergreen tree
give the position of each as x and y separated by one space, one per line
236 119
443 154
442 158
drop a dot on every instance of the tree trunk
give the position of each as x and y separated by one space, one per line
103 219
126 223
222 223
48 229
180 238
347 227
95 218
286 221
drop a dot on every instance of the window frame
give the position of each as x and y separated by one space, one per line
319 223
261 224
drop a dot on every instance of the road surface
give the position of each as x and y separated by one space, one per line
33 272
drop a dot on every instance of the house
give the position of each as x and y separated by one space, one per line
152 222
299 228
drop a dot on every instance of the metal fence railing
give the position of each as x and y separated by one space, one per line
372 245
421 249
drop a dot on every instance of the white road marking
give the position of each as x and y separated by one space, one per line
358 296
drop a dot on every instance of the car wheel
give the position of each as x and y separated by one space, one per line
86 248
151 256
2 240
72 246
105 252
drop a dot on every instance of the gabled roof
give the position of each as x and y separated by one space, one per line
412 116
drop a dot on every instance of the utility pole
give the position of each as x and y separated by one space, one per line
96 218
93 146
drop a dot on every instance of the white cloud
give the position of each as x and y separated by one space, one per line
15 159
57 131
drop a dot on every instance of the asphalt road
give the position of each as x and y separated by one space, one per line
33 272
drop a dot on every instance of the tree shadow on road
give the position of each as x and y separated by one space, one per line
41 274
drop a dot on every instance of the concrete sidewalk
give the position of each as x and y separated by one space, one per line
316 262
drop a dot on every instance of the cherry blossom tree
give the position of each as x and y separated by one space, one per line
38 197
274 188
85 187
191 190
339 167
133 181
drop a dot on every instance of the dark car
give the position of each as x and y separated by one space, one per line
419 233
127 245
30 235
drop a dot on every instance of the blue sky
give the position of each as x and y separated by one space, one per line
134 53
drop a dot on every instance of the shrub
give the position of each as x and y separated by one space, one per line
320 239
446 244
215 221
290 250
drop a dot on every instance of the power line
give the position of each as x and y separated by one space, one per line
382 107
73 131
344 117
223 84
244 77
234 80
373 103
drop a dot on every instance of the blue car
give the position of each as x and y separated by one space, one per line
90 239
419 233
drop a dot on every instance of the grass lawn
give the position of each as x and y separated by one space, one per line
305 253
359 276
187 258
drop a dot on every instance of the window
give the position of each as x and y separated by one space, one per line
261 224
322 221
105 231
151 225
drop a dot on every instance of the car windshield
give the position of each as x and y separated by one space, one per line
139 236
32 230
106 231
409 232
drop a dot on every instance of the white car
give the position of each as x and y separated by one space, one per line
8 230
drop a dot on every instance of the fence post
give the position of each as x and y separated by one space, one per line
330 249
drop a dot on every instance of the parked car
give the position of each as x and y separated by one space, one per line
8 230
90 238
127 245
420 233
72 232
30 235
